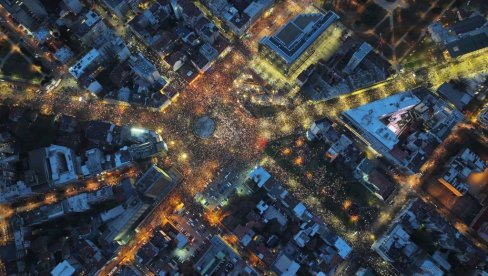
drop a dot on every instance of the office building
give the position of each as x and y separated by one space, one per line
295 42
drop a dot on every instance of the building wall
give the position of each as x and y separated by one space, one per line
280 64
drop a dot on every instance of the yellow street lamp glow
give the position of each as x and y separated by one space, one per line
15 48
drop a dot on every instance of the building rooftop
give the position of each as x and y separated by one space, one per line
114 3
429 268
155 183
343 249
63 269
76 204
146 150
122 228
457 97
100 132
285 266
357 57
55 164
112 213
401 247
369 116
218 254
459 170
259 175
145 69
467 44
385 187
79 67
296 36
469 24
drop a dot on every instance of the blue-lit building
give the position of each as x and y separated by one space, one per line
296 41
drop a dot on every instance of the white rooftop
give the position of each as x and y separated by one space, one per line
343 249
79 67
77 203
112 213
368 116
286 266
299 209
62 163
91 18
260 176
63 269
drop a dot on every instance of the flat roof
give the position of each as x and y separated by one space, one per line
286 266
467 44
343 249
469 24
297 35
259 175
457 97
63 269
79 67
369 116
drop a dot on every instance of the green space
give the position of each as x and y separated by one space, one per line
35 131
425 53
325 180
16 66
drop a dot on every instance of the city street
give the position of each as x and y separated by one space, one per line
239 138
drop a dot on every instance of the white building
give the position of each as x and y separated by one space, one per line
285 266
397 238
76 204
81 65
339 147
259 175
64 268
376 122
461 167
323 130
145 69
54 165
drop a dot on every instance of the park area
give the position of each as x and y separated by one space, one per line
341 194
14 65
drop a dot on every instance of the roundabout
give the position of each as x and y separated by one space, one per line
204 127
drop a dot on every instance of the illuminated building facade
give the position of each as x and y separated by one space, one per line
296 41
380 123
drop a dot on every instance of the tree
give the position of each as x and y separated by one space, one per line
273 227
